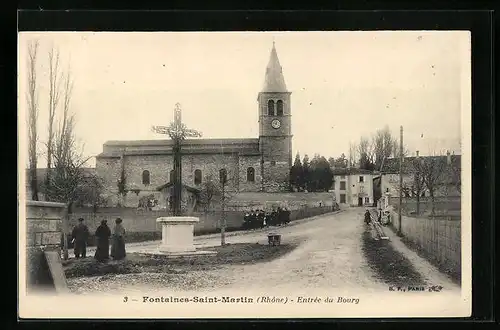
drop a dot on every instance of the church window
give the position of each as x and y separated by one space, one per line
279 108
145 177
223 176
197 177
250 174
270 108
172 176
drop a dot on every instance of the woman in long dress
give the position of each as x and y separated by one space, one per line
102 234
118 244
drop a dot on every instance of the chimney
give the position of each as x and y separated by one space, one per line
448 157
417 153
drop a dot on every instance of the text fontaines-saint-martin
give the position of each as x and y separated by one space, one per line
196 299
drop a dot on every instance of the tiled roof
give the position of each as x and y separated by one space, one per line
391 165
168 142
351 171
228 150
114 149
42 172
170 184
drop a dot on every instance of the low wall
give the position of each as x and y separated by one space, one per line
438 240
43 232
141 225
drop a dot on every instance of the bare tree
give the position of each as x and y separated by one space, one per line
383 146
418 184
54 92
352 154
32 100
396 150
432 168
209 191
365 153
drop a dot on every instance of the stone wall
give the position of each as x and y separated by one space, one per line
159 167
44 224
244 163
44 228
141 225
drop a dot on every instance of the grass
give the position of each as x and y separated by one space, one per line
390 265
231 254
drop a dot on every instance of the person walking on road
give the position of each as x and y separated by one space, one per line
368 217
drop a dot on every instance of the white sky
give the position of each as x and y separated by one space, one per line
344 84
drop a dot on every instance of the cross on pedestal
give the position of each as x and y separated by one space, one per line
177 131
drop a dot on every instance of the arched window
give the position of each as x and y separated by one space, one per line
279 108
223 176
172 177
197 177
250 174
145 177
270 108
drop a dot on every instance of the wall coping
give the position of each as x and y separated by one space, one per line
45 204
186 220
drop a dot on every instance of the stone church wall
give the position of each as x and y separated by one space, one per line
159 167
244 163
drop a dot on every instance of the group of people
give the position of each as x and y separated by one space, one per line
80 235
260 218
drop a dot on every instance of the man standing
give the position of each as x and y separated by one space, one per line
80 235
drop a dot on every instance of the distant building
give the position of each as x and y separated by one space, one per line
41 175
353 186
448 177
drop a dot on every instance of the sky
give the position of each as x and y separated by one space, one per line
344 85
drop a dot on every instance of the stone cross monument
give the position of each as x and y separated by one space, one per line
177 131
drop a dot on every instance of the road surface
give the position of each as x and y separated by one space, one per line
330 255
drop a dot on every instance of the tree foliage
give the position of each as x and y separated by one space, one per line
313 175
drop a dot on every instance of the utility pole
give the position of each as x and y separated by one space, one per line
400 179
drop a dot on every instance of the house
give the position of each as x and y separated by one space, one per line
189 196
446 171
41 175
353 186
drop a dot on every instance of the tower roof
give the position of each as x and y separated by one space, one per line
274 81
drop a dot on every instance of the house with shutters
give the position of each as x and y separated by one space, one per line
353 187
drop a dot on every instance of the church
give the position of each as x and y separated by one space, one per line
260 164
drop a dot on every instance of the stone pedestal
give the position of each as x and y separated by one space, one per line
44 232
177 234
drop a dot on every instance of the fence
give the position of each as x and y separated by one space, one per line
438 240
141 225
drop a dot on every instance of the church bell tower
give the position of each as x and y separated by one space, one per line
275 131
